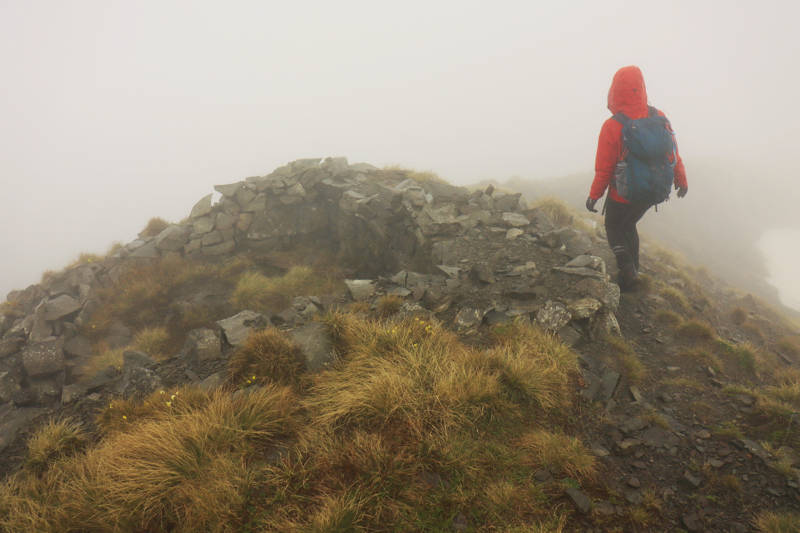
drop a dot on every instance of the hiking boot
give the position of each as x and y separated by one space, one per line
628 279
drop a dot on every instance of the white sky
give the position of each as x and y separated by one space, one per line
113 112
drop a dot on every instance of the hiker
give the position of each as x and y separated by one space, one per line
638 161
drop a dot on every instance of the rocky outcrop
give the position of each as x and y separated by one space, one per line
472 257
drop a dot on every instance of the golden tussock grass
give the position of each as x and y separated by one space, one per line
180 473
668 317
695 330
152 340
53 441
560 452
259 292
560 213
266 356
154 226
777 522
408 427
389 305
627 362
677 298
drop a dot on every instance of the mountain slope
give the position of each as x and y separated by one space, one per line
336 347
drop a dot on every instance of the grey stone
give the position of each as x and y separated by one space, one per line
229 189
225 221
588 261
12 421
172 239
60 307
481 273
9 387
40 329
236 329
583 272
147 251
335 165
43 358
569 336
210 239
219 249
204 224
202 207
513 233
469 317
202 345
692 522
553 316
507 202
316 345
608 384
78 346
214 381
515 220
360 289
584 308
46 390
449 271
581 501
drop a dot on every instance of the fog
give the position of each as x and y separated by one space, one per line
114 112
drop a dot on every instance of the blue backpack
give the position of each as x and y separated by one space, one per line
646 174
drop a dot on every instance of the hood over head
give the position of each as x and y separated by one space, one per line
627 93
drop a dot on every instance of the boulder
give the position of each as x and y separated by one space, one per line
172 239
9 387
138 378
553 316
10 345
202 345
360 289
515 220
230 189
469 317
225 221
43 358
204 224
12 421
316 345
584 308
219 249
60 307
79 347
235 330
202 207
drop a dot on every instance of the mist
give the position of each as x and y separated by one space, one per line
115 112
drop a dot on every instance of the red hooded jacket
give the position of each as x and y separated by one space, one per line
627 95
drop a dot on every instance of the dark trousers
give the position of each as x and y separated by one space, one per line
622 236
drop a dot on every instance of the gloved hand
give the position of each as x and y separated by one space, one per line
681 191
590 204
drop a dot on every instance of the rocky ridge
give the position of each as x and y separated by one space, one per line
471 258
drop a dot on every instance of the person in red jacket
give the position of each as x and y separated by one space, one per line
628 96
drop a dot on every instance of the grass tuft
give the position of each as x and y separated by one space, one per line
153 341
261 293
154 226
695 330
777 522
54 441
628 362
668 317
738 316
559 453
266 356
389 305
677 298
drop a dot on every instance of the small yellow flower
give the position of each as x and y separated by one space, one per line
253 378
161 392
124 417
169 404
172 397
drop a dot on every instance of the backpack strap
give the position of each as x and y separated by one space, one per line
652 111
622 118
